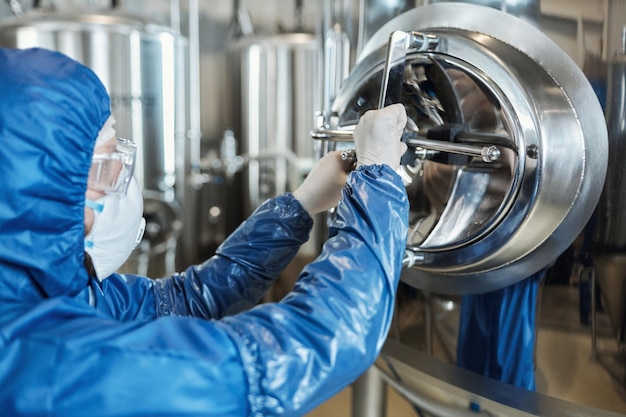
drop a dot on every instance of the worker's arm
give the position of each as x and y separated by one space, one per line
329 330
251 259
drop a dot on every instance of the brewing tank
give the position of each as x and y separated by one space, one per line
137 63
142 66
277 84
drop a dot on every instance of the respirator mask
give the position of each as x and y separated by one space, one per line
118 216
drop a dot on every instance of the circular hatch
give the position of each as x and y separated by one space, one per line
507 142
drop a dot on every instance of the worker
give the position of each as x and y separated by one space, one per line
78 339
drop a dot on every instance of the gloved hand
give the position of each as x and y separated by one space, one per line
377 136
321 189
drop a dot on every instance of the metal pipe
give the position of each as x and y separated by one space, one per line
336 49
195 134
175 16
488 152
332 135
369 394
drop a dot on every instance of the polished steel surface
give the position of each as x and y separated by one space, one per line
610 241
482 226
278 96
609 246
611 229
529 10
446 390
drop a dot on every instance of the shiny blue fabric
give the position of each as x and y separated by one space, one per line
497 333
196 343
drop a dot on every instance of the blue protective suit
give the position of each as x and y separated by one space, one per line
497 332
187 344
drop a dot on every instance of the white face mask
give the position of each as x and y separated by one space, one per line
117 229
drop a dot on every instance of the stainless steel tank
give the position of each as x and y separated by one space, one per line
277 84
610 245
136 61
142 66
475 80
509 152
278 79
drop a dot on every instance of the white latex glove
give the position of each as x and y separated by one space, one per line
377 136
321 189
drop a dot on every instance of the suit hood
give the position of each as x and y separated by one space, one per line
51 109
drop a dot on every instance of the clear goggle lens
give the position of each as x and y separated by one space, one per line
111 173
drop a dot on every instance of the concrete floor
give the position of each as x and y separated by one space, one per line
565 366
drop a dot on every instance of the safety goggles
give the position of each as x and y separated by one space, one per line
111 172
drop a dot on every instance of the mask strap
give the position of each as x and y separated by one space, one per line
140 232
94 205
97 207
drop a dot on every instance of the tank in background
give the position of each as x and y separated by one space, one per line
145 70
